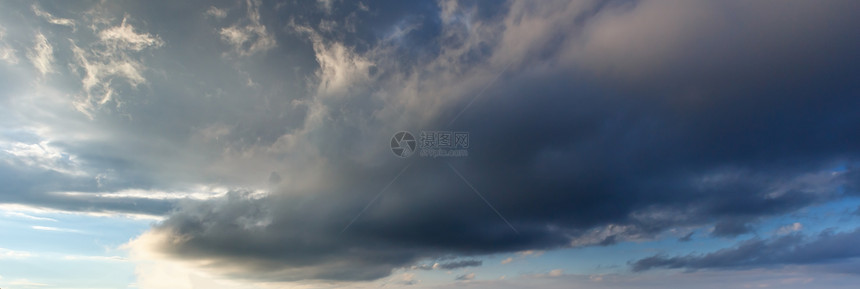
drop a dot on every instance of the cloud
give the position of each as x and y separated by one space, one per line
251 38
523 254
42 55
109 60
533 253
216 12
54 229
29 217
123 38
41 155
686 238
593 123
788 229
95 258
460 264
732 228
83 209
450 265
788 278
408 279
161 273
586 134
52 19
554 273
201 193
13 254
7 53
777 251
466 277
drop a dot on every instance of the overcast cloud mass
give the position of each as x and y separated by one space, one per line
687 141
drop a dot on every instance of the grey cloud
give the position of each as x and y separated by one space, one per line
731 228
465 277
785 250
414 227
461 264
572 158
686 238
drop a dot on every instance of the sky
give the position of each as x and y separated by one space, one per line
429 144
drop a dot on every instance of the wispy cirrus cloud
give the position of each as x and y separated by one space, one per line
14 254
53 19
29 217
793 249
249 36
55 229
42 54
109 60
7 53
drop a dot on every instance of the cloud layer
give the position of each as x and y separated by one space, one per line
794 249
260 131
608 123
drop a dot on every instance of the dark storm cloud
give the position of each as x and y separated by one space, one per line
460 264
571 157
608 122
784 250
731 228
